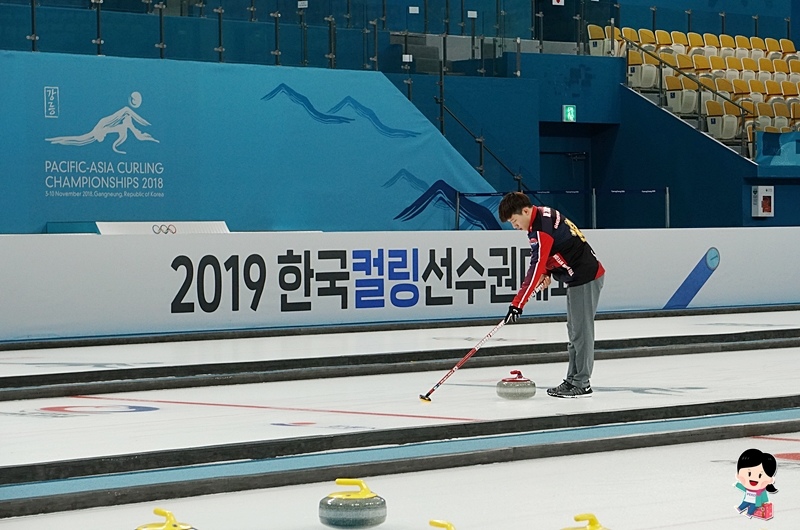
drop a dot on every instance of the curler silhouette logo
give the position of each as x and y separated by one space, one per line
119 123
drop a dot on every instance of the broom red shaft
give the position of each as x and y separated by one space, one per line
464 360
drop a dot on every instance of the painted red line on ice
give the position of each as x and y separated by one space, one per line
267 407
778 438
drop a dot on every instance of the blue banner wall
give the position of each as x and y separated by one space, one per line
262 148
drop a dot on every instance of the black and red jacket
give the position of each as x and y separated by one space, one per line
558 248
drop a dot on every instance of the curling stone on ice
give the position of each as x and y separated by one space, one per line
593 524
517 387
169 524
442 524
352 509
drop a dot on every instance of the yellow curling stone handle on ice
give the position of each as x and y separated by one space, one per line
363 492
169 524
594 524
442 524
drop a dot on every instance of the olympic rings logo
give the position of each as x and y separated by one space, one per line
164 229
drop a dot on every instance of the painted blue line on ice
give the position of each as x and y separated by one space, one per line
381 454
695 281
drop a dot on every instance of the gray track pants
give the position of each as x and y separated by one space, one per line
581 308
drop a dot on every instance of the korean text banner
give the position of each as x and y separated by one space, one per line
93 285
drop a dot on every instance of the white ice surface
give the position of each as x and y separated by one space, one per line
686 487
77 359
229 414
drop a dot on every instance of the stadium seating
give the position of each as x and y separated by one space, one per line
739 84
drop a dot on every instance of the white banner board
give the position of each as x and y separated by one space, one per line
71 285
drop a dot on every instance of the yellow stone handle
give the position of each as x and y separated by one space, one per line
594 524
442 524
363 491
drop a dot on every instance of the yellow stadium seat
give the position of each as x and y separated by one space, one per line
733 68
707 88
670 66
702 66
696 44
690 93
774 92
711 44
724 88
790 92
647 40
674 93
743 47
758 91
640 74
685 63
773 49
788 49
765 69
795 114
719 125
782 116
663 42
780 70
598 45
630 34
794 71
680 43
727 46
718 66
740 89
733 110
758 48
764 115
749 69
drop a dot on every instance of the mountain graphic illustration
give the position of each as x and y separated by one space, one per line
441 194
366 112
118 123
404 174
304 102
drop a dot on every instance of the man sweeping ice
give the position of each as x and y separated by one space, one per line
559 250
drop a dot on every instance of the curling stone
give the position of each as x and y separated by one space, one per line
169 524
442 524
593 524
352 509
517 387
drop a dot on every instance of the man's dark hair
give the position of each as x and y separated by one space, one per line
513 203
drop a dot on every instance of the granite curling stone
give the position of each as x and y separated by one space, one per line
352 509
517 387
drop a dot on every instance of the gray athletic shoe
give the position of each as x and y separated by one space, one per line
574 392
563 387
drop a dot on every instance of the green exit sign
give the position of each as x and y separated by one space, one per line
569 113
